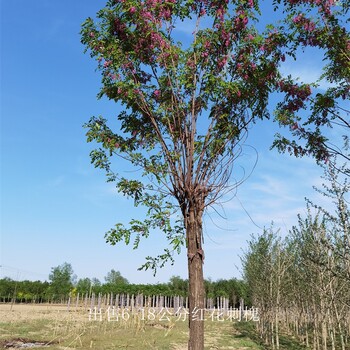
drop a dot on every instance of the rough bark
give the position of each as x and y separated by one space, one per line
196 281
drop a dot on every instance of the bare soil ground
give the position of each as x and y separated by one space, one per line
27 312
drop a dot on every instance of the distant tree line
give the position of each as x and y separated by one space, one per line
63 283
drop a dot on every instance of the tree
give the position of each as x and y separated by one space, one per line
7 287
322 25
84 285
96 282
258 263
187 110
305 278
178 286
62 279
335 189
96 286
114 278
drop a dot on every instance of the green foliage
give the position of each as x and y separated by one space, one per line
258 263
334 228
233 289
84 285
6 287
38 291
187 108
323 25
308 271
62 279
23 291
114 278
178 286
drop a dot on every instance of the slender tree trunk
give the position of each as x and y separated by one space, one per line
196 281
324 326
278 295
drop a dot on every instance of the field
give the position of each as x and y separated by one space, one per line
57 328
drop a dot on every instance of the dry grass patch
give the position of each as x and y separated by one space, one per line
64 330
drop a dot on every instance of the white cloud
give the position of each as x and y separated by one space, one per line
273 187
275 193
308 67
306 73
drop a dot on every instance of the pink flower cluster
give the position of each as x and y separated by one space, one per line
272 42
156 94
307 24
295 126
299 18
225 37
120 29
241 20
245 68
107 64
295 94
324 5
155 10
112 76
149 42
294 90
220 13
316 2
221 62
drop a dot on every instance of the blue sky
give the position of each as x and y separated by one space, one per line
56 207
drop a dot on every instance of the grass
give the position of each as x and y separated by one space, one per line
65 330
67 334
247 330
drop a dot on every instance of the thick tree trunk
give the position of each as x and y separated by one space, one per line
196 281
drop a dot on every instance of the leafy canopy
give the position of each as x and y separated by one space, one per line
324 27
187 105
61 278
